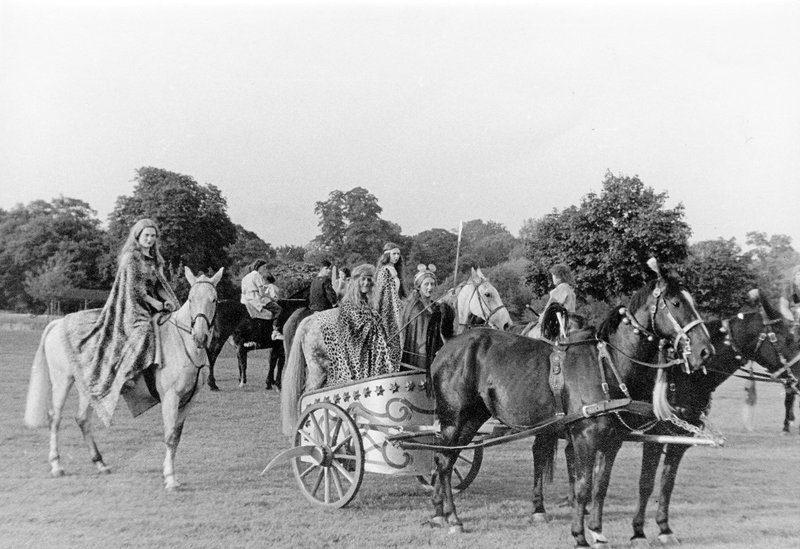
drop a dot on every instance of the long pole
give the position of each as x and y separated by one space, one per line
458 249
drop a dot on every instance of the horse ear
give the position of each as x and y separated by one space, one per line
653 264
217 276
189 275
472 272
480 273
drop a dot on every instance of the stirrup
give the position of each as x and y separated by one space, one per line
249 344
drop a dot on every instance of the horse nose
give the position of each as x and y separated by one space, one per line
706 352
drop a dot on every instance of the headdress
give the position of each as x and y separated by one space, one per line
389 246
424 272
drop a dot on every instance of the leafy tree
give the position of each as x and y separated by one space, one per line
195 227
718 276
351 230
48 281
608 239
247 248
30 235
485 244
289 253
771 258
509 279
437 246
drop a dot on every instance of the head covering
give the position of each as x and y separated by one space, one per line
424 272
258 264
389 246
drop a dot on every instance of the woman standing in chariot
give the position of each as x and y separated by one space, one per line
389 292
109 346
416 318
357 341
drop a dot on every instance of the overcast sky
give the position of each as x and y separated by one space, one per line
445 111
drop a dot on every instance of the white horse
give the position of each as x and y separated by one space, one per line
307 362
183 337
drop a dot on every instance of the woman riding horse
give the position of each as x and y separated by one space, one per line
113 346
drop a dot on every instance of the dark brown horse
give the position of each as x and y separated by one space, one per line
760 335
234 321
488 373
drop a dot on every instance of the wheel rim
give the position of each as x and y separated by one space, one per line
334 479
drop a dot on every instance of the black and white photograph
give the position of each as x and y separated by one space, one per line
353 273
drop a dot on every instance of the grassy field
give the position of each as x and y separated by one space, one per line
744 495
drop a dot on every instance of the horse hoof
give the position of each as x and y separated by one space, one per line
56 473
435 522
598 539
213 387
669 540
640 543
456 529
540 518
103 469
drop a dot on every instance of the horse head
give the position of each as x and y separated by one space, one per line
762 335
201 305
480 298
665 310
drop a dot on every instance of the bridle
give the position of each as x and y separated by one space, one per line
680 342
767 334
485 310
201 315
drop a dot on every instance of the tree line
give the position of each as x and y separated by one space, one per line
47 247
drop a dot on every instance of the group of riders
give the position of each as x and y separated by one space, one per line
377 327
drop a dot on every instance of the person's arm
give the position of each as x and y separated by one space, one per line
786 311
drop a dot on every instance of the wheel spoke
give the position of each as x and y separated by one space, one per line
342 443
318 482
327 424
327 485
459 475
336 430
462 458
309 439
337 483
317 428
343 472
308 470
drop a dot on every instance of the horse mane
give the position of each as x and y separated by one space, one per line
551 328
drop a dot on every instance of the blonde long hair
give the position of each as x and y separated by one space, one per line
353 293
132 242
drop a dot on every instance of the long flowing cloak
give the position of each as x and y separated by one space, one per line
356 341
415 319
388 307
110 346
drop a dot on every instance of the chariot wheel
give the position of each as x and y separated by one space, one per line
465 470
330 474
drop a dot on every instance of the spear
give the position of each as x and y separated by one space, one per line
458 249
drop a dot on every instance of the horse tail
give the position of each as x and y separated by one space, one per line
294 379
39 387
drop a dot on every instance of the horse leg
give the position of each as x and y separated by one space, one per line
173 427
60 391
584 442
672 460
241 354
788 402
83 419
651 455
604 463
442 497
569 456
543 450
271 365
213 353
